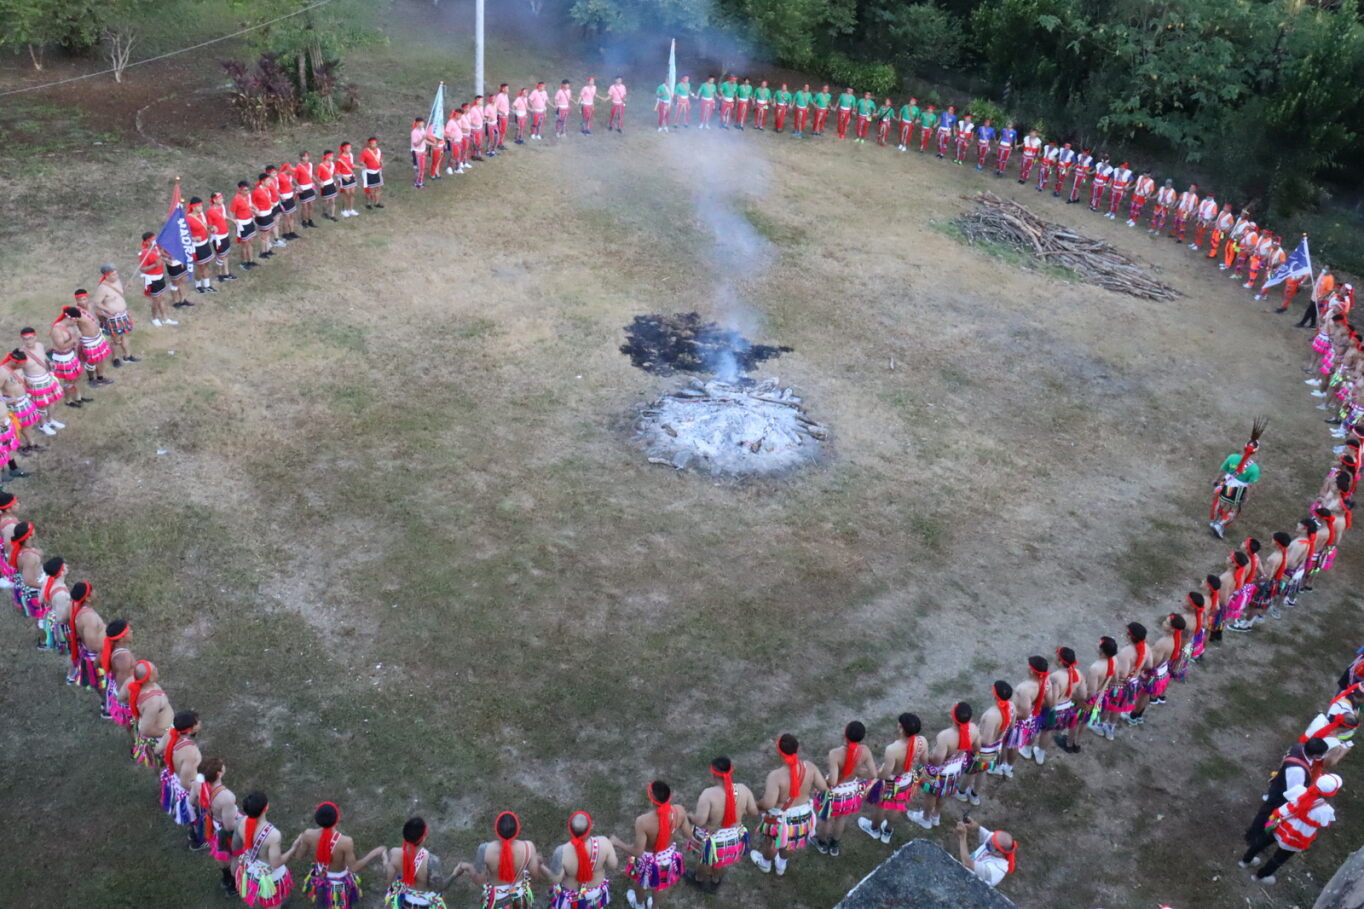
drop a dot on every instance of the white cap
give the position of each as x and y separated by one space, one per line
1329 784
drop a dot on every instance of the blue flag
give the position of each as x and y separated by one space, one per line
174 237
1298 265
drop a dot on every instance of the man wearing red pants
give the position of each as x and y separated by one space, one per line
1103 173
866 108
762 101
1145 186
1184 210
745 99
821 101
707 92
985 134
965 133
1122 181
616 93
947 128
1065 163
781 103
1051 152
1165 200
539 105
909 115
1032 150
1008 138
682 95
846 102
801 101
1207 214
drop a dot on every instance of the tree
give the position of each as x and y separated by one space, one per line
36 24
624 17
120 31
914 36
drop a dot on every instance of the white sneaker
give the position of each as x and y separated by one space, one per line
57 425
918 818
1250 864
1007 771
156 322
449 170
630 898
1025 751
960 796
1040 756
1318 393
885 833
280 243
169 322
864 824
763 864
47 430
1109 729
1269 879
1309 381
778 860
937 820
1193 246
975 799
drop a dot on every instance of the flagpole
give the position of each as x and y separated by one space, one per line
478 47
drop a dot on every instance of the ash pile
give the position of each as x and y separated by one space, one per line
730 427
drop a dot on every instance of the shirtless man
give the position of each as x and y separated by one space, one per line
87 637
27 561
504 867
655 864
951 755
54 605
94 346
788 816
988 758
1164 653
1104 673
1297 559
896 779
152 711
1065 690
111 308
1273 570
115 669
23 412
180 779
218 818
331 882
1030 699
851 770
1136 658
66 363
415 876
261 876
42 386
579 867
719 837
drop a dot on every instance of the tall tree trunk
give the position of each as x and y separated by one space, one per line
35 53
302 76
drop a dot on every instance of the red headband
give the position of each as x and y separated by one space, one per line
327 838
963 731
665 819
506 859
410 859
731 809
1011 853
107 651
585 870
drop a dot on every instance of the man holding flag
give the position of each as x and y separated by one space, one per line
174 240
1294 269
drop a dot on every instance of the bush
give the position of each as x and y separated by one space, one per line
983 108
263 95
878 78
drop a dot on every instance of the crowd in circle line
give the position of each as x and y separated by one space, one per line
1055 707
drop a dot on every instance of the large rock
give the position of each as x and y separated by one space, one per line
922 874
1345 890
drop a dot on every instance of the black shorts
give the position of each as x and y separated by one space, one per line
276 211
176 269
203 253
287 204
347 182
221 245
307 194
265 222
156 288
374 179
329 190
245 231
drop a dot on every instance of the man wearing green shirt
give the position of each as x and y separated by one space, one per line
745 98
782 101
821 100
909 115
846 102
663 100
1235 477
762 101
727 92
928 120
802 101
884 117
865 108
706 93
682 96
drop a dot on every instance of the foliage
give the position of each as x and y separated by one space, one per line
877 78
263 95
33 25
624 17
983 109
915 37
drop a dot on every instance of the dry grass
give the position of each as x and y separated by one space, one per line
401 554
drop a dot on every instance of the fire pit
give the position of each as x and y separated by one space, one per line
730 427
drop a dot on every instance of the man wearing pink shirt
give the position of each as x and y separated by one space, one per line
616 92
539 103
587 102
466 127
419 150
476 128
494 138
563 102
503 99
520 106
454 142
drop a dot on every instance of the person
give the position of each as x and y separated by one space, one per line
1297 559
1221 227
707 92
454 137
262 878
1099 681
1293 826
781 106
866 108
416 879
180 757
54 600
1032 148
965 132
884 116
947 128
744 97
42 386
333 879
1207 217
729 90
326 182
345 177
1185 209
663 99
1008 138
822 100
1065 688
1122 181
112 311
1302 765
86 641
1165 201
587 104
152 268
1065 163
418 150
985 137
151 709
928 126
277 204
996 723
436 143
1143 189
372 162
218 818
851 770
505 866
949 758
896 779
788 815
1353 674
762 101
539 106
992 860
616 93
305 184
719 835
1030 699
288 199
263 213
1239 471
585 860
1135 657
563 103
219 236
655 864
1050 155
197 221
1270 584
908 116
846 102
1167 649
682 95
502 111
26 560
115 669
801 102
1082 166
244 219
1103 173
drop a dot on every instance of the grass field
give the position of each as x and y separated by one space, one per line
376 514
